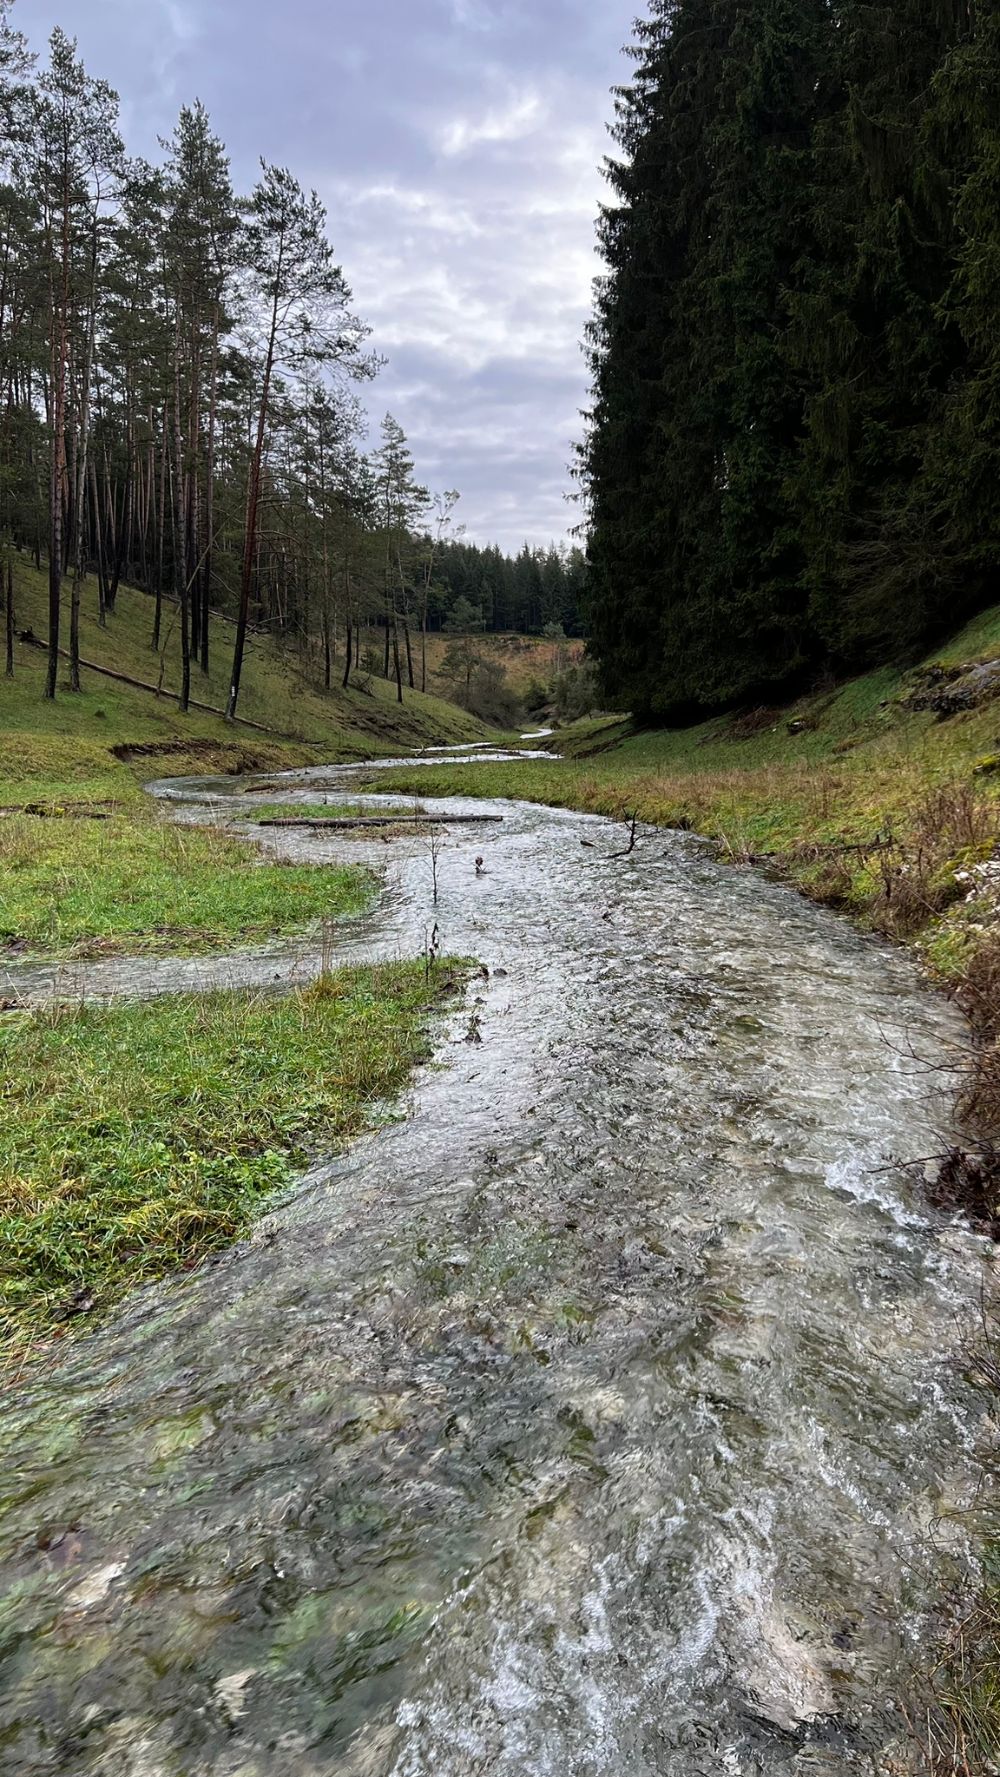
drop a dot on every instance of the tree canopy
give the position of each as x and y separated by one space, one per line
792 464
179 411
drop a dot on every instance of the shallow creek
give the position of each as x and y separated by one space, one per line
601 1417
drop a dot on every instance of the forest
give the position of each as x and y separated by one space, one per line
179 411
793 462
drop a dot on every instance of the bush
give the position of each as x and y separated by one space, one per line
921 876
489 696
479 684
576 692
537 697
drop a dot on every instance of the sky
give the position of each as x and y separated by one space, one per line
457 146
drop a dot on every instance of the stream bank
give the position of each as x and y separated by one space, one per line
597 1419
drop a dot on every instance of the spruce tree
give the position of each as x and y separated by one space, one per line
959 488
747 615
871 334
647 501
793 344
696 567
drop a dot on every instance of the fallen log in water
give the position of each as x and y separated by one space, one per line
386 820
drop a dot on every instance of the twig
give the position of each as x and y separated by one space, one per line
630 848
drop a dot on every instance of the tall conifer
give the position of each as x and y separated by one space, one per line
796 386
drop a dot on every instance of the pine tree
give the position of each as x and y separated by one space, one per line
201 254
402 504
308 326
79 152
18 291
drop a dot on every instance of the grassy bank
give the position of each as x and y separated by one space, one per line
138 1138
87 863
133 883
99 744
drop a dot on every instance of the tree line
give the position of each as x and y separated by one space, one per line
178 407
793 462
536 590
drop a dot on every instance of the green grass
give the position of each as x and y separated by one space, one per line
860 766
135 883
132 881
138 1138
51 752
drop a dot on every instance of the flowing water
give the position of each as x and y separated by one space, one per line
598 1418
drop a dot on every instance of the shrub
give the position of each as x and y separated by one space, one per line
576 692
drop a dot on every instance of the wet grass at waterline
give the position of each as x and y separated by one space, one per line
133 882
138 1138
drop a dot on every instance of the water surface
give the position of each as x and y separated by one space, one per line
597 1419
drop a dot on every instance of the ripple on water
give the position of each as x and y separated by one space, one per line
597 1420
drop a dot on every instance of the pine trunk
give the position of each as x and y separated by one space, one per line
10 615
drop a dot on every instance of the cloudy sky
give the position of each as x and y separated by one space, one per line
456 144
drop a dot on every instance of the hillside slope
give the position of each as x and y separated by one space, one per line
525 660
87 739
843 765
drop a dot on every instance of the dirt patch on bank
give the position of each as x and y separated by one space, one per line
214 755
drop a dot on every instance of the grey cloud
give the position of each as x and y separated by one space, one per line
457 145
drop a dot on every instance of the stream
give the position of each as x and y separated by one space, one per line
602 1418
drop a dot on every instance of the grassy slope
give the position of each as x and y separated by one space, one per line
132 881
49 751
863 767
138 1138
525 659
